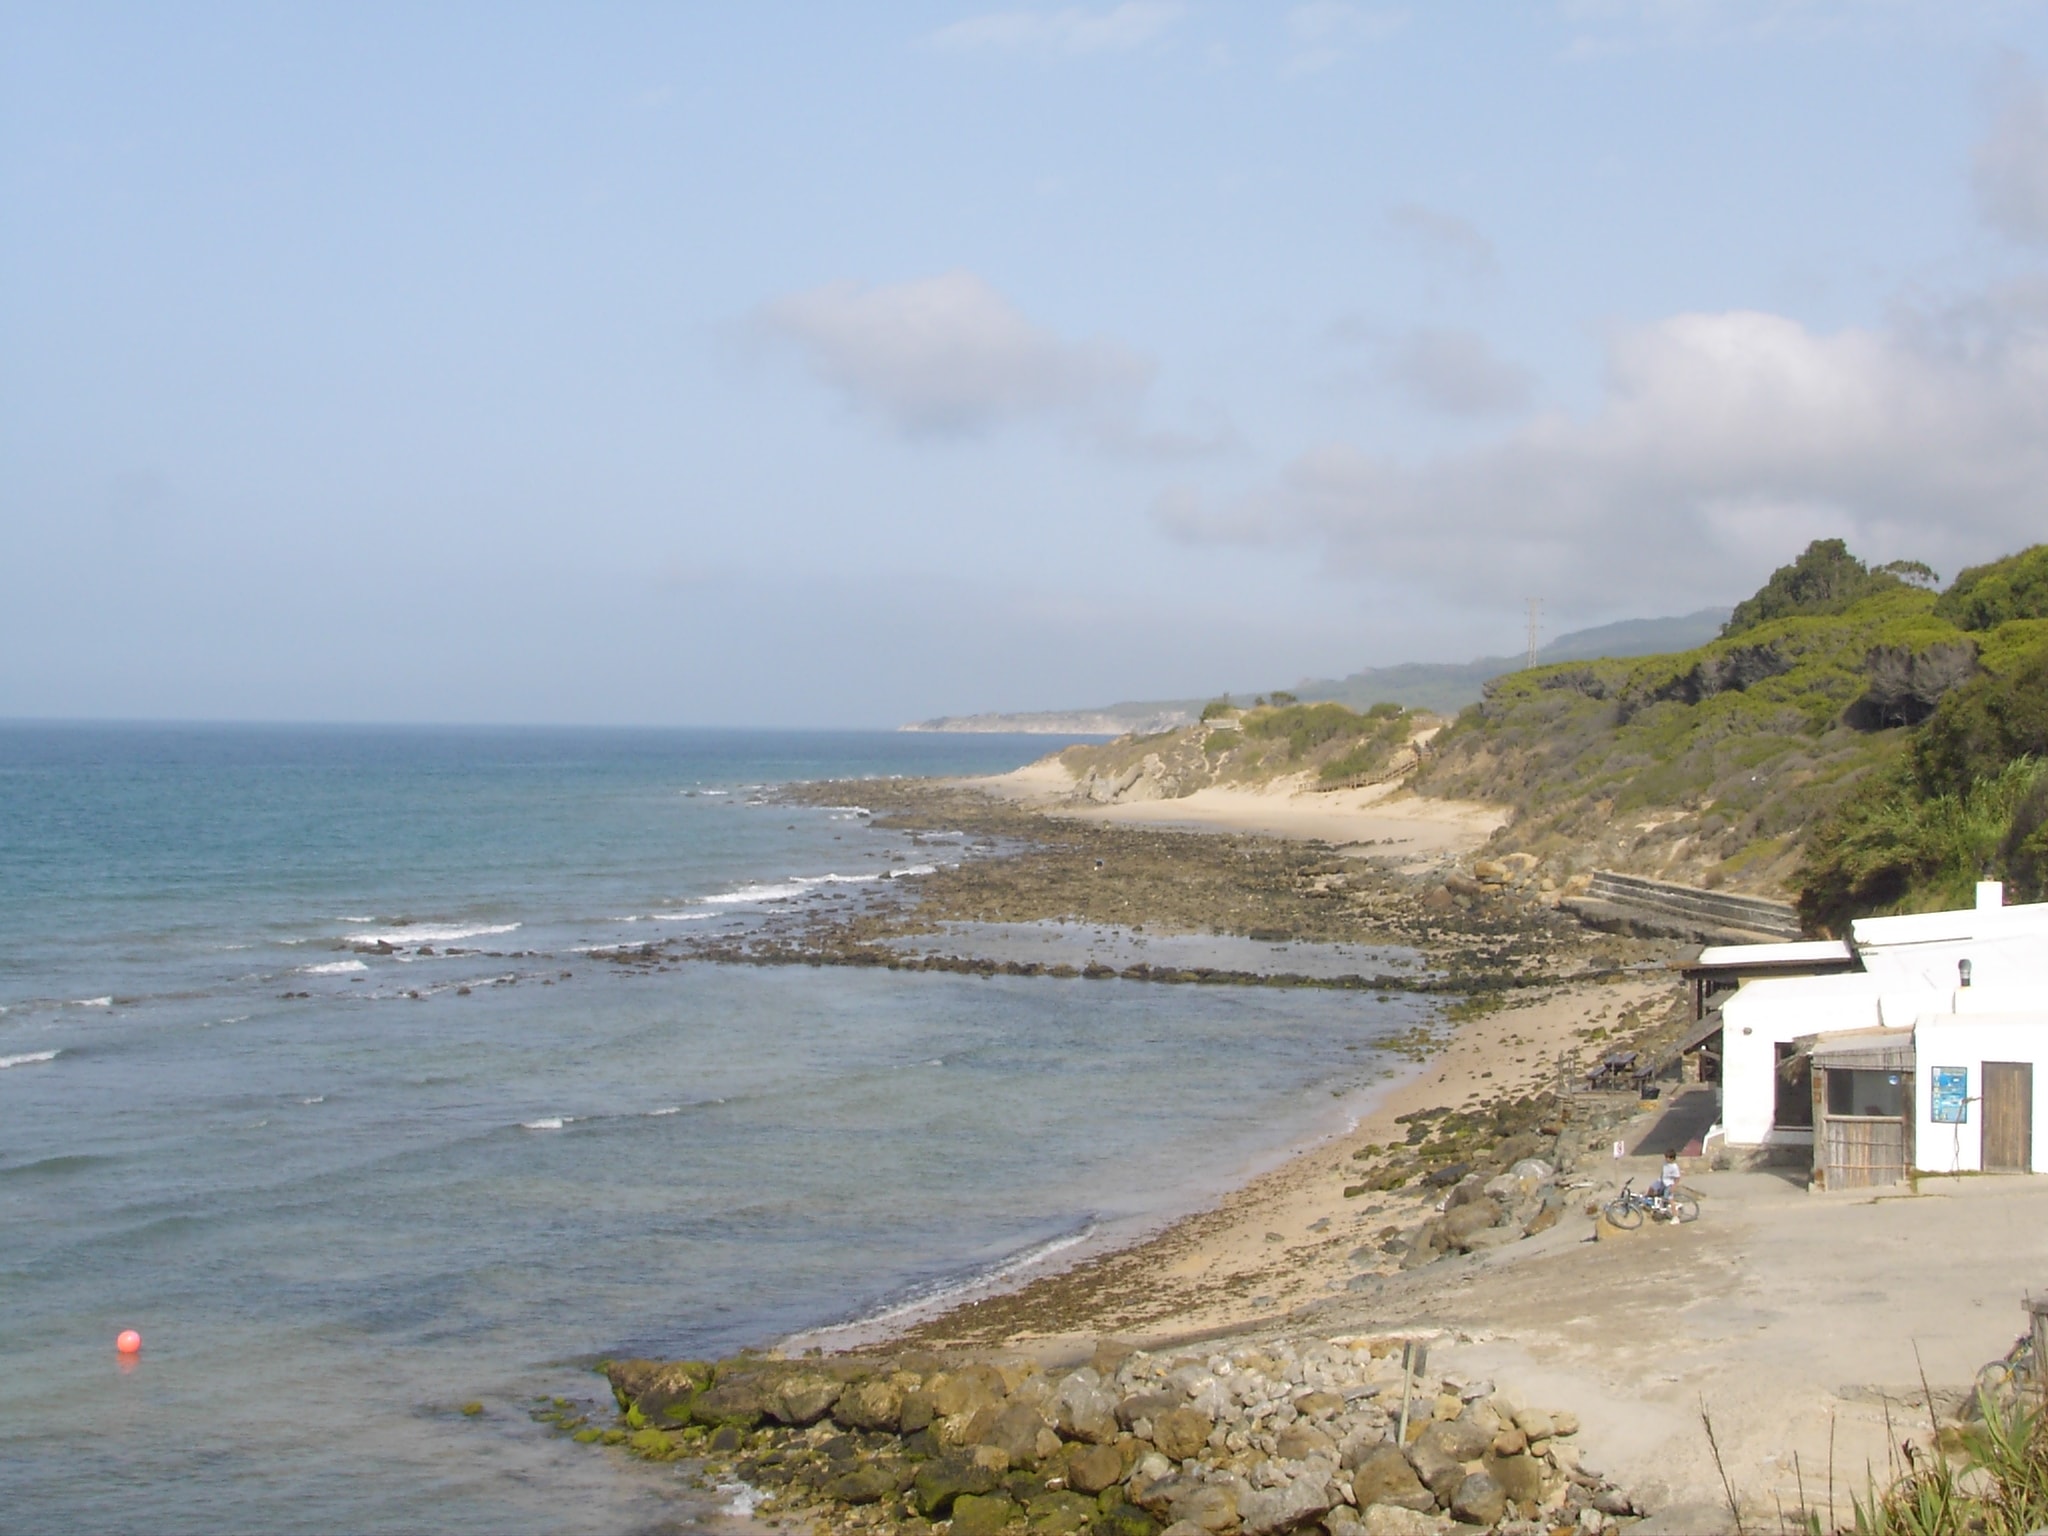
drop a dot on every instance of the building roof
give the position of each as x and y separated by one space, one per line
1880 1050
1806 955
1960 926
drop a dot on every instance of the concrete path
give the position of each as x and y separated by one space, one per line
1801 1322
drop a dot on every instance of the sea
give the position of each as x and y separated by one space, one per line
314 1072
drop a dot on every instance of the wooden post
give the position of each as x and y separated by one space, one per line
2037 1312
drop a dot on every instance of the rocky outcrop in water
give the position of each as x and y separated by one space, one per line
1289 1435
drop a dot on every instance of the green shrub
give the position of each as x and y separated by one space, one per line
1216 707
1986 596
1825 579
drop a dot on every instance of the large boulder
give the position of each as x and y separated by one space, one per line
1301 1440
1015 1430
1479 1500
1393 1520
802 1397
1060 1513
869 1483
876 1403
1269 1511
656 1387
1143 1407
1084 1409
1180 1433
1462 1438
944 1478
965 1390
738 1399
1212 1506
1385 1477
1520 1476
1095 1468
982 1514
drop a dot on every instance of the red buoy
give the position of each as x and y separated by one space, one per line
129 1343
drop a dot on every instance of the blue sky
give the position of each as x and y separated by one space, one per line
843 365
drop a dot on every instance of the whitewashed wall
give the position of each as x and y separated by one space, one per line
1968 1040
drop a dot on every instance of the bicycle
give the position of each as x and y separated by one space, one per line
2005 1379
1627 1209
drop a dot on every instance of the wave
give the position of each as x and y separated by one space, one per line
656 1114
680 917
92 1002
752 893
29 1060
333 968
945 1292
355 919
550 1122
430 933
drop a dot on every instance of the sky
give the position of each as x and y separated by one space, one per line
826 365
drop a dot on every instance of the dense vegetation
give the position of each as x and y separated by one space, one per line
1851 735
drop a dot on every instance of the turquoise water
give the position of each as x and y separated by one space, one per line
307 1070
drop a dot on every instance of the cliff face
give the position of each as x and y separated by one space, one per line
1717 765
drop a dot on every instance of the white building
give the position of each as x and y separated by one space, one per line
1925 1056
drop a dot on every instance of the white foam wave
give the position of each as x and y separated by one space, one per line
431 933
355 919
92 1002
680 917
318 1098
745 1499
712 793
752 893
333 968
31 1059
656 1114
549 1123
999 1273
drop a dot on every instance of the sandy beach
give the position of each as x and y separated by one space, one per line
1789 1318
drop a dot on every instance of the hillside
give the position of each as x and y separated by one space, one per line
1721 764
1441 687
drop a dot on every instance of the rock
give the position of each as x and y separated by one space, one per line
1083 1409
1180 1433
1392 1520
1489 872
944 1478
1612 1501
1183 1528
1535 1169
1060 1514
982 1514
803 1397
1212 1506
1521 1477
1460 1439
1299 1441
1126 1520
1013 1429
727 1437
1318 1405
1479 1500
869 1483
1144 1406
1269 1511
1491 1237
1446 1176
1440 1472
1535 1423
1342 1520
918 1412
1544 1219
1096 1468
1563 1423
737 1400
1385 1477
1510 1442
966 1390
1153 1472
876 1403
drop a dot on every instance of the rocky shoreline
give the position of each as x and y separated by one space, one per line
1341 1436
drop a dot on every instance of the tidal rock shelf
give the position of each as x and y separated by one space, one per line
1294 1434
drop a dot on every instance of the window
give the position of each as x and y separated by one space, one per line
1794 1110
1866 1093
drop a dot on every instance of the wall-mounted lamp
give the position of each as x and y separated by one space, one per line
1963 971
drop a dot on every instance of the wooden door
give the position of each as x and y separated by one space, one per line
2008 1116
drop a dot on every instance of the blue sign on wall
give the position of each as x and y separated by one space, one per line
1951 1095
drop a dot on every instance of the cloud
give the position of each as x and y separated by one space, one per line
949 356
1074 29
2010 173
1322 32
1457 373
1444 240
1724 442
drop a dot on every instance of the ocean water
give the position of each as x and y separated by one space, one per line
311 1069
